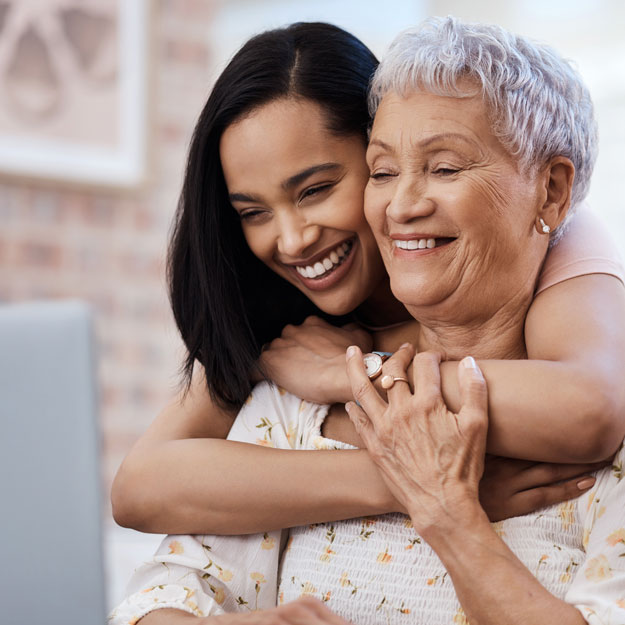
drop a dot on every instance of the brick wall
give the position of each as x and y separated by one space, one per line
108 247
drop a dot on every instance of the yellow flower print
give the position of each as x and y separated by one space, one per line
259 578
288 544
566 513
269 542
264 443
326 555
326 596
586 538
408 523
225 575
597 569
148 589
412 543
220 596
175 547
616 537
620 603
460 618
308 589
281 598
134 620
384 558
281 390
344 579
600 512
290 435
249 398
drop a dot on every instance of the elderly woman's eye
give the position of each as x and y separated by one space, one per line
380 175
445 170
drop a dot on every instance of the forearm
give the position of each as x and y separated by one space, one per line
504 592
265 488
546 411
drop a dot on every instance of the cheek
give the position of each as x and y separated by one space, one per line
259 242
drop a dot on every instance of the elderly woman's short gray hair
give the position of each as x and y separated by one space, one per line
539 106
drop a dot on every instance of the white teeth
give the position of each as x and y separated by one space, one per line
334 258
415 244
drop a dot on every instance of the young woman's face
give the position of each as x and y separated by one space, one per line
298 190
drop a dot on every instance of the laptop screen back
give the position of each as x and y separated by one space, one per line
49 471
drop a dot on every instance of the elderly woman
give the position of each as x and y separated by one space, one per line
470 150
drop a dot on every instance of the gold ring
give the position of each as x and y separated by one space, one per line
388 381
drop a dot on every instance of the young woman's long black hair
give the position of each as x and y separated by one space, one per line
226 302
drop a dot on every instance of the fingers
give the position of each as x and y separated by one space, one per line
363 390
396 367
426 375
535 498
542 474
473 392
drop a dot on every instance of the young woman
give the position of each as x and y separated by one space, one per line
269 230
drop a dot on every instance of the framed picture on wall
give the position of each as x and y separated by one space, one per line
73 87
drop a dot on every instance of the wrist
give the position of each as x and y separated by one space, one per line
450 521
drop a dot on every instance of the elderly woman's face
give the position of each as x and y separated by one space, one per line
453 216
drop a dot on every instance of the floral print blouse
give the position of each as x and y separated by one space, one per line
377 569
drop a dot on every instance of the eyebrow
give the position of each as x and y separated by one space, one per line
429 141
298 178
290 182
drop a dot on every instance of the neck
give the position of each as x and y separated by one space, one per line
497 334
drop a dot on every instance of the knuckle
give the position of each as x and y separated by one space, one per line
360 390
313 320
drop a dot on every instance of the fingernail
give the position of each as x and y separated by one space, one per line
469 363
348 406
351 351
404 345
586 483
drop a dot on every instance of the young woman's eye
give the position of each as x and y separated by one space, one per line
312 191
251 214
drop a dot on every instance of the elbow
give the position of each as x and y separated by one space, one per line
603 426
129 509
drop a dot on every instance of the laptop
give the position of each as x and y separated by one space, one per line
50 493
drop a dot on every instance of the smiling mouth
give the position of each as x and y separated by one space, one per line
421 244
324 266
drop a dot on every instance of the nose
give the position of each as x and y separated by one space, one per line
295 234
410 201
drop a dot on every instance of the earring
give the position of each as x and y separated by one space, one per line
546 228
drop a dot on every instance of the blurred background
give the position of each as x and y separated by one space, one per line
97 105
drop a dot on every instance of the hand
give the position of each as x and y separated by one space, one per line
303 611
309 360
513 487
431 459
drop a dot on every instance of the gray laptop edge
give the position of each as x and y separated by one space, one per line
51 569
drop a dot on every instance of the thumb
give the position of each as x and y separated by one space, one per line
473 391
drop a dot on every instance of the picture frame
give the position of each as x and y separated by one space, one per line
73 91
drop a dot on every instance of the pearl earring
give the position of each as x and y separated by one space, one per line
546 228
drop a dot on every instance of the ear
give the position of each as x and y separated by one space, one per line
558 179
